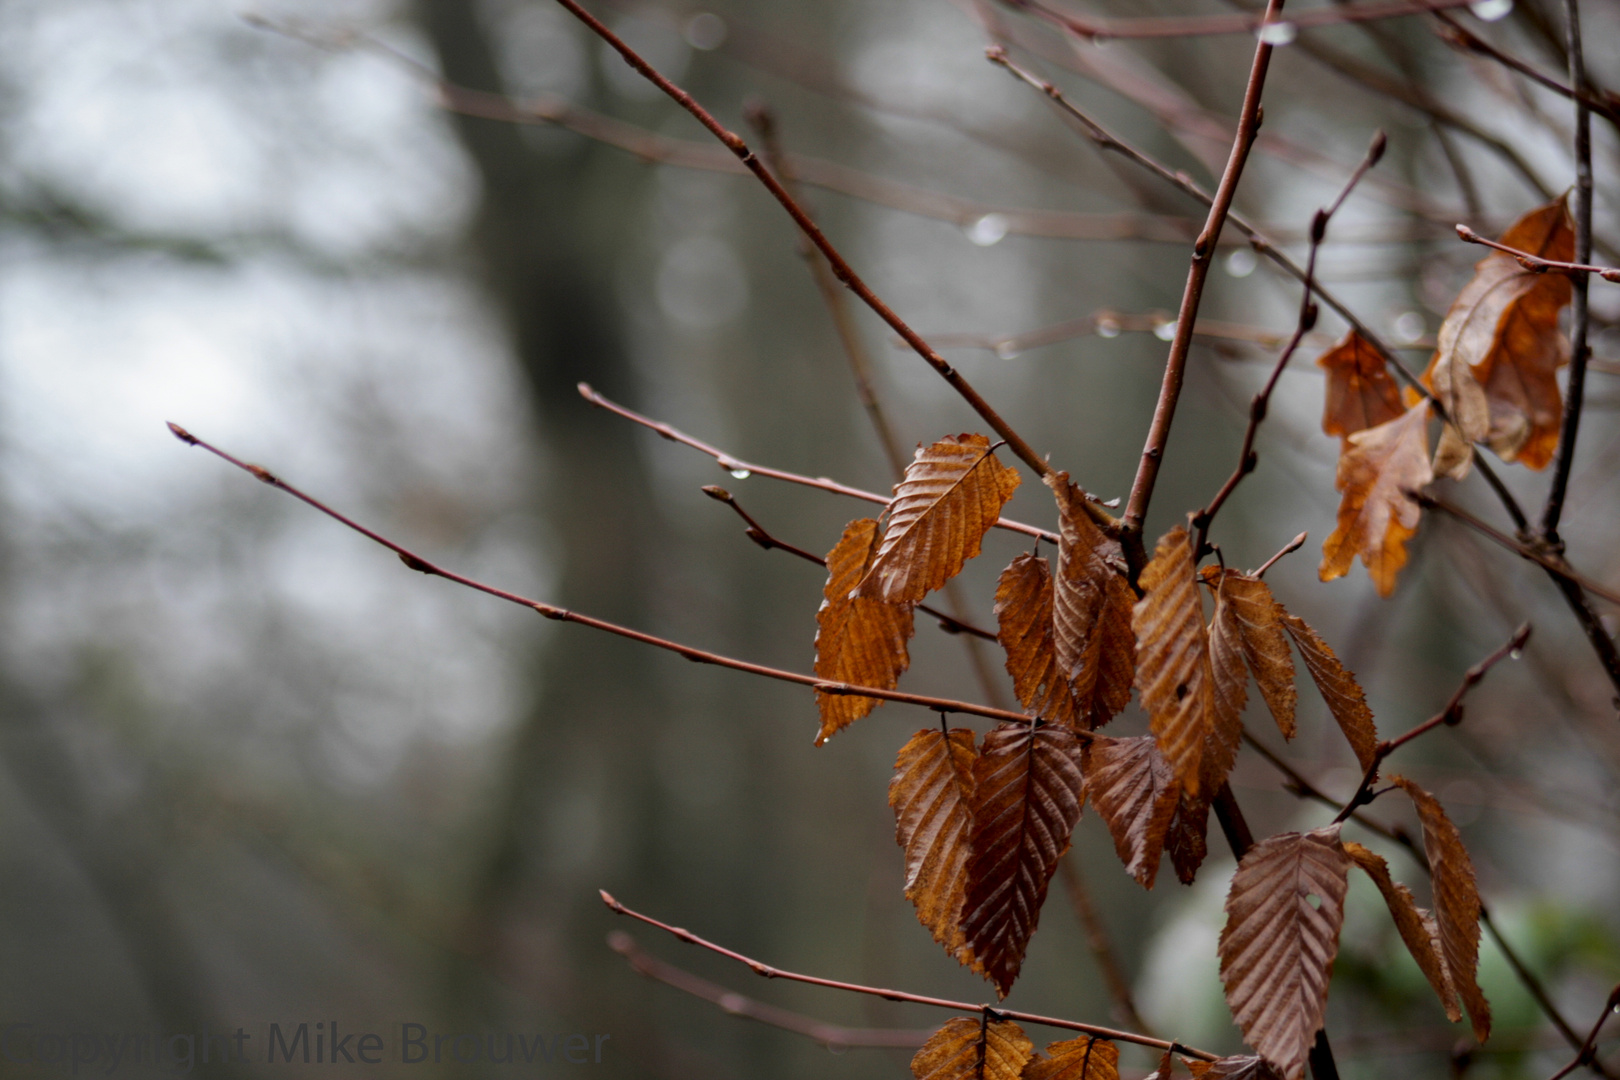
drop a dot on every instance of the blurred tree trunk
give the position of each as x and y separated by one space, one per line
594 694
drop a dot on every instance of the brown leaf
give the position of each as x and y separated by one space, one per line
1084 1058
1096 646
1376 517
1024 628
1135 791
1283 915
859 639
1339 689
1185 841
1230 680
969 1048
951 495
932 797
1258 619
1413 924
1456 903
1246 1067
1027 797
1360 392
1172 656
1499 349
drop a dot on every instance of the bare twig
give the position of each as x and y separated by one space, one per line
1588 1050
552 611
741 468
1553 564
1287 549
1102 949
832 1036
766 971
1458 35
1535 263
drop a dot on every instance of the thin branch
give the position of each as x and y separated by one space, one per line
832 1036
1535 263
1452 714
1588 1051
1459 36
757 533
1216 25
841 268
561 614
1579 316
1287 549
768 972
1102 949
741 468
1248 459
1203 253
1554 564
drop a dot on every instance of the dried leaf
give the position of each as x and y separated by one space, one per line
1096 646
1360 392
1084 1058
1230 680
1499 349
1468 413
1258 619
1456 903
1283 915
859 639
1027 797
1185 841
1246 1067
932 797
1172 656
951 495
1376 517
1339 688
970 1048
1135 791
1024 628
1413 923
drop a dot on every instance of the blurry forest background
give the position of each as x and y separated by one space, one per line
251 771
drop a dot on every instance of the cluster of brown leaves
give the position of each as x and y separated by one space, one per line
986 1049
1494 373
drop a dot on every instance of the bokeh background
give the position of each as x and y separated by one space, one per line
253 772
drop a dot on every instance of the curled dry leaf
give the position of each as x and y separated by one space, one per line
1339 688
1456 903
1172 656
970 1048
1258 620
1084 1058
1413 923
1024 628
1245 1067
932 797
1499 350
1283 915
1028 791
1376 516
1135 791
951 495
1096 645
1360 392
859 639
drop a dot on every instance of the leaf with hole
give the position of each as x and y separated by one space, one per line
1172 656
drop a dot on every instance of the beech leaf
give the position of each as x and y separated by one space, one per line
1028 790
859 639
951 495
1024 597
1085 1058
1136 793
1413 924
932 798
1360 392
1245 1067
969 1048
1230 680
1096 645
1172 656
1377 468
1339 688
1283 915
1456 903
1258 619
1185 841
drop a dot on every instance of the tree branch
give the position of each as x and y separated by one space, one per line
1535 263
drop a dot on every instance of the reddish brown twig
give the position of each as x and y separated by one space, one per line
1535 263
832 1036
1553 564
1459 36
1451 715
841 268
757 533
1215 25
1588 1051
768 972
740 467
552 611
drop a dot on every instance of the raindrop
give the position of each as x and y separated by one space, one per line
988 230
1491 10
741 474
1515 654
706 31
1107 327
1165 331
1006 350
1241 263
1409 327
1282 33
